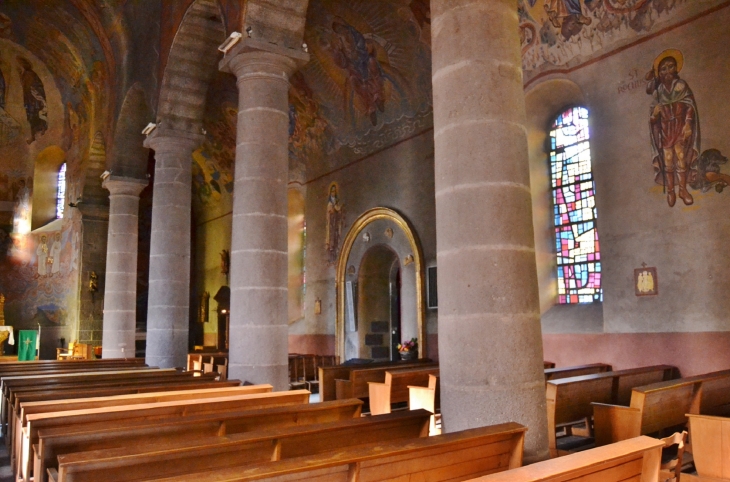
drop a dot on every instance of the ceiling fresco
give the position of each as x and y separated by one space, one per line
560 34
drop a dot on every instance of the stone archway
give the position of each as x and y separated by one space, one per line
381 226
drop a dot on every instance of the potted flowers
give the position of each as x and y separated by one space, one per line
408 350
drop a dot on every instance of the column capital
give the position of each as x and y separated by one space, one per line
118 185
169 139
256 58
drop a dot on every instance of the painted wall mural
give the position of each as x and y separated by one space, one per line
560 34
369 74
674 122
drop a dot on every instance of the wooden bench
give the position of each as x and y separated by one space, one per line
566 372
710 437
69 381
148 412
661 406
635 460
164 382
127 400
328 374
357 385
166 458
569 399
395 387
81 438
453 456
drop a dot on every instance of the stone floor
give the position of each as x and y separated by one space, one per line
5 474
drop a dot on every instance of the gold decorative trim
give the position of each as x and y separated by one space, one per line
361 223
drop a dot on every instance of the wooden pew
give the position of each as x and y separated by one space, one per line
127 400
81 438
710 437
148 412
452 456
395 387
566 372
660 406
357 384
548 364
165 458
569 399
427 398
636 460
72 380
328 374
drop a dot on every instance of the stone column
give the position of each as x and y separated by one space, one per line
120 296
490 341
259 256
168 310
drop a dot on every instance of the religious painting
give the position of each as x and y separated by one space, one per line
333 228
645 282
674 121
558 33
34 99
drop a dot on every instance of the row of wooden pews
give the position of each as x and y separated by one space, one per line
27 385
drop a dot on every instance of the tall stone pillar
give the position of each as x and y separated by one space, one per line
258 323
120 296
168 310
490 341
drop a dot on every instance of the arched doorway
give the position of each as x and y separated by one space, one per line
378 307
380 285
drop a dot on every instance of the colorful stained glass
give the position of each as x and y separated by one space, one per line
574 204
61 191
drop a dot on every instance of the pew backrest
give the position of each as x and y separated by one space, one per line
575 371
56 441
637 460
452 456
168 458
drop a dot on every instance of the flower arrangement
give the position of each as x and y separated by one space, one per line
408 346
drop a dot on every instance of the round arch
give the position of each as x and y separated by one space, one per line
395 225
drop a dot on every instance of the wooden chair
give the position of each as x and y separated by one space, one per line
672 468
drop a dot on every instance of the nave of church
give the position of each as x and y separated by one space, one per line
240 239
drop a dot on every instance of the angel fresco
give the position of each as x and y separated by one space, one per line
675 134
34 99
567 16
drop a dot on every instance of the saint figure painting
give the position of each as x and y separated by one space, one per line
333 229
675 134
34 98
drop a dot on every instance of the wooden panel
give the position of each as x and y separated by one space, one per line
711 445
715 396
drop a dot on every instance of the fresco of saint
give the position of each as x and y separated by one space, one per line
34 99
55 256
333 228
675 126
42 253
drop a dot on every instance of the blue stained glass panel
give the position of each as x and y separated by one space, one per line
575 213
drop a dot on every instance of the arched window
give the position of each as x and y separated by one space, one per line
574 201
61 191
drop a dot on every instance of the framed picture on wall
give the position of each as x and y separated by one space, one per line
431 288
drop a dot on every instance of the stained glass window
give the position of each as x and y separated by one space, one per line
574 204
61 193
